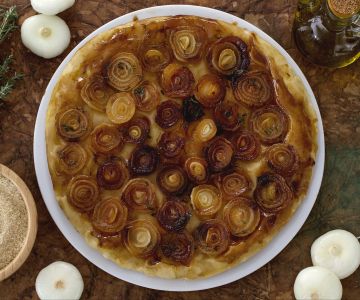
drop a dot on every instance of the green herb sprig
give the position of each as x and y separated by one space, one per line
8 22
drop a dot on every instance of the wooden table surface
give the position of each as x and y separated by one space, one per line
337 206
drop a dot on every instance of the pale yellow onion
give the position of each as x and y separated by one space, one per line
120 108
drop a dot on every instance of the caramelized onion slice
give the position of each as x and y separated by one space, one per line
177 81
177 248
173 215
197 170
124 71
139 194
120 108
242 216
137 130
270 124
206 200
233 184
210 90
282 158
143 160
192 110
110 216
230 115
247 145
204 130
72 124
155 57
187 42
147 96
212 237
142 237
272 193
106 138
229 56
253 88
171 144
172 180
168 113
83 193
112 174
71 159
219 154
96 93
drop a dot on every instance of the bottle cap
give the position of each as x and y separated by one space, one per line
344 8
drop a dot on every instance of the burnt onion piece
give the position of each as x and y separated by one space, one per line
253 88
230 115
242 216
139 194
272 193
233 184
73 124
106 138
188 42
112 174
83 193
210 90
246 146
147 96
137 130
219 154
155 57
270 124
172 180
229 56
168 113
197 170
177 81
173 215
141 237
192 110
212 237
177 248
282 159
110 216
71 158
124 71
120 108
143 160
206 200
96 93
171 144
204 130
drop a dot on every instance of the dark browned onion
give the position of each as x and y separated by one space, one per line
282 158
272 193
147 96
139 194
171 144
177 81
246 145
172 180
197 170
210 90
143 160
168 113
106 138
137 130
230 115
72 124
173 215
112 174
212 237
219 154
177 248
71 158
233 184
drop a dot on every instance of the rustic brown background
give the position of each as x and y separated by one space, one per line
338 205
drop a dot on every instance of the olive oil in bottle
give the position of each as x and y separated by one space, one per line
327 32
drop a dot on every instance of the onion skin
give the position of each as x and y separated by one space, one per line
192 110
168 113
173 215
124 71
282 159
270 124
242 216
110 216
206 200
171 144
219 154
253 89
204 130
177 248
177 81
172 180
143 160
272 193
71 159
73 124
106 138
141 228
147 96
210 90
83 193
139 195
120 108
246 145
112 174
233 184
137 130
212 237
230 115
96 93
197 170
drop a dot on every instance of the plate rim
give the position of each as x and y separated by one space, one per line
262 257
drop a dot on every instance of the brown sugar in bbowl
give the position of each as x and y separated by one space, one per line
31 231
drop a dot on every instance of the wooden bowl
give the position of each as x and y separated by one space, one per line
32 223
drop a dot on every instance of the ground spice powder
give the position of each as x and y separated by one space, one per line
13 221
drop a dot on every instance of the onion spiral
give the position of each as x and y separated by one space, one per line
168 113
197 170
71 159
112 174
147 96
137 130
139 194
230 115
96 93
171 144
177 81
206 200
106 138
155 57
120 108
72 124
204 130
143 160
219 154
177 248
172 180
246 145
210 90
233 184
282 159
173 215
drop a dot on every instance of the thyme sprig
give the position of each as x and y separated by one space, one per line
8 22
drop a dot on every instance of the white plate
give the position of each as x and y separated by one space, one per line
286 234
